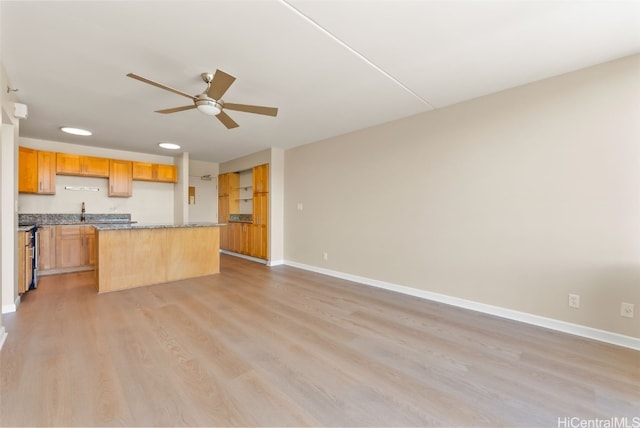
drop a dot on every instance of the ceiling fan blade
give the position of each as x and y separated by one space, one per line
175 109
158 85
219 85
226 120
267 111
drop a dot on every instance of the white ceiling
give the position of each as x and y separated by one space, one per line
331 67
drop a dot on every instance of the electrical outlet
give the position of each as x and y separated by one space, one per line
325 256
626 310
574 300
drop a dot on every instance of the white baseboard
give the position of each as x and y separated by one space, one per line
7 309
275 262
243 256
3 336
540 321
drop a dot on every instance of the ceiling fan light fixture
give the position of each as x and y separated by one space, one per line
208 106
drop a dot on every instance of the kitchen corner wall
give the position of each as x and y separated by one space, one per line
151 202
512 200
206 207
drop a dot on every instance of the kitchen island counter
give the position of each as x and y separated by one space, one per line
135 255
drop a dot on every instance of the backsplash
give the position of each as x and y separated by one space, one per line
30 219
241 218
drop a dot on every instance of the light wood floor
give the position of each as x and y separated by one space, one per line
260 346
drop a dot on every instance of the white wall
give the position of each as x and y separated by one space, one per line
514 199
150 202
8 197
206 207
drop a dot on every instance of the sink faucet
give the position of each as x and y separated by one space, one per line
82 217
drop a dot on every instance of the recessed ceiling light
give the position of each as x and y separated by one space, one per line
75 131
169 146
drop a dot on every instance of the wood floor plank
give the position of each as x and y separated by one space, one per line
278 346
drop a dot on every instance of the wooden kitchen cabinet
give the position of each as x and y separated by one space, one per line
261 179
68 246
46 248
75 246
228 203
145 171
228 184
223 218
36 171
239 238
259 228
120 178
89 242
88 166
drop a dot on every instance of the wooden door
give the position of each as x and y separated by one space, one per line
166 173
68 164
46 247
69 247
261 179
46 173
89 246
259 227
27 170
223 218
95 167
120 178
142 171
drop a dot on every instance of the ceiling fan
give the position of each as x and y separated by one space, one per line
210 101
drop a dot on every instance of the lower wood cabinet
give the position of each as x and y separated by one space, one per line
46 248
66 248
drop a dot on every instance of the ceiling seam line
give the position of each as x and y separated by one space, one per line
358 54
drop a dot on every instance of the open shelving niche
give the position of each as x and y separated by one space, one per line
245 192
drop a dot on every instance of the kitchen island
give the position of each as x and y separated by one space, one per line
132 255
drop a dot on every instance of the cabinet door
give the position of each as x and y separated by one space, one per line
244 239
46 173
120 178
223 217
68 164
89 246
69 246
259 226
166 173
142 171
223 185
27 170
261 179
46 247
90 166
95 167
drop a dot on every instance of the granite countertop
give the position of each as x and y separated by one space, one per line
120 226
72 219
25 228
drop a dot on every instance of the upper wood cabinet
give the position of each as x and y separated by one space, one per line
228 184
144 171
72 164
36 171
261 179
120 178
